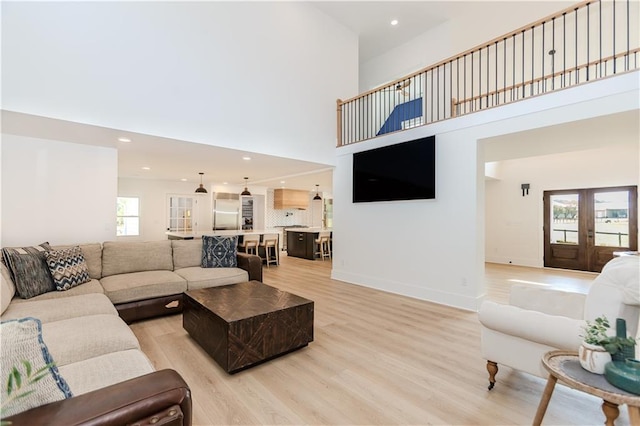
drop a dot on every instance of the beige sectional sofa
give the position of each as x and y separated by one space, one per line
95 351
147 279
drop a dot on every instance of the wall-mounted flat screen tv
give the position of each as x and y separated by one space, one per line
404 171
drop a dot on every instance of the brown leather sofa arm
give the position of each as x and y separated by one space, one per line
161 398
252 264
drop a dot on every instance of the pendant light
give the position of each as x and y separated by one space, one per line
246 191
201 189
317 197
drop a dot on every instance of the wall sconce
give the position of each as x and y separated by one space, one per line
525 189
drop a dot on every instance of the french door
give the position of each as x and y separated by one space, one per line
583 227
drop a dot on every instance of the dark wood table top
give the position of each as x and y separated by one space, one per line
236 302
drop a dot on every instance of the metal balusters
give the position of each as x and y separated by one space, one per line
493 83
614 35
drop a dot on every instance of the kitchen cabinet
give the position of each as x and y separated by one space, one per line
301 244
290 199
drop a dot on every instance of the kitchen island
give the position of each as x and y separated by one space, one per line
301 242
227 232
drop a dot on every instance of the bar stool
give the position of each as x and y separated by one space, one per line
322 243
250 243
270 245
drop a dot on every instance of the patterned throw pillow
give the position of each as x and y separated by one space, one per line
29 270
68 267
22 344
219 252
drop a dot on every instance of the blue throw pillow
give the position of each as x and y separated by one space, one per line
219 252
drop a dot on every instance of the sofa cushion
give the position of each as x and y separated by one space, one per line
92 287
105 370
76 339
219 252
186 253
28 269
125 257
142 285
24 355
67 267
92 253
7 288
49 310
198 277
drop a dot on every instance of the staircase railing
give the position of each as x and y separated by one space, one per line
586 42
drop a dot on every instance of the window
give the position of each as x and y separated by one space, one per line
128 216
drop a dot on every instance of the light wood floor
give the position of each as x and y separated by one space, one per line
377 359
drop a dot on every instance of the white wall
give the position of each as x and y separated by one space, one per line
453 37
514 223
435 249
58 192
256 76
153 196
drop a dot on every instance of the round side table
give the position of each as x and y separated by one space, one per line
565 366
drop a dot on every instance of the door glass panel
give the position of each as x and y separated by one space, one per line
611 213
564 226
180 214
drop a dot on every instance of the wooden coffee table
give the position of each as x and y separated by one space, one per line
241 325
565 366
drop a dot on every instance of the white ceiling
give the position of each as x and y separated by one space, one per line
171 159
371 21
593 133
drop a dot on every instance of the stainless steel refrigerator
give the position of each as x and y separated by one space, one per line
226 214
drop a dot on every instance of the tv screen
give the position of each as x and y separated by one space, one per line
405 171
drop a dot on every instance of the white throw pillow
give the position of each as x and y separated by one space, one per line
23 357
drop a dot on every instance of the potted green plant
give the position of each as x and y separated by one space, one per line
592 352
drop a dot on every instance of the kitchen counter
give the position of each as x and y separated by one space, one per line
230 232
308 229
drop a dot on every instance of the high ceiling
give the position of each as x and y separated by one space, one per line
171 159
371 20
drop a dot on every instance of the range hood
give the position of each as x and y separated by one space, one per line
284 199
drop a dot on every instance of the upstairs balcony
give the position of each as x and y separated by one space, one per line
584 43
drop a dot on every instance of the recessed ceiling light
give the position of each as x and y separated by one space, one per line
146 168
225 183
246 158
281 181
394 22
184 179
125 140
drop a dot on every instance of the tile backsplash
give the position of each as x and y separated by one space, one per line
285 217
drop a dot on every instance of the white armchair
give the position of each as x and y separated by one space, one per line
538 320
